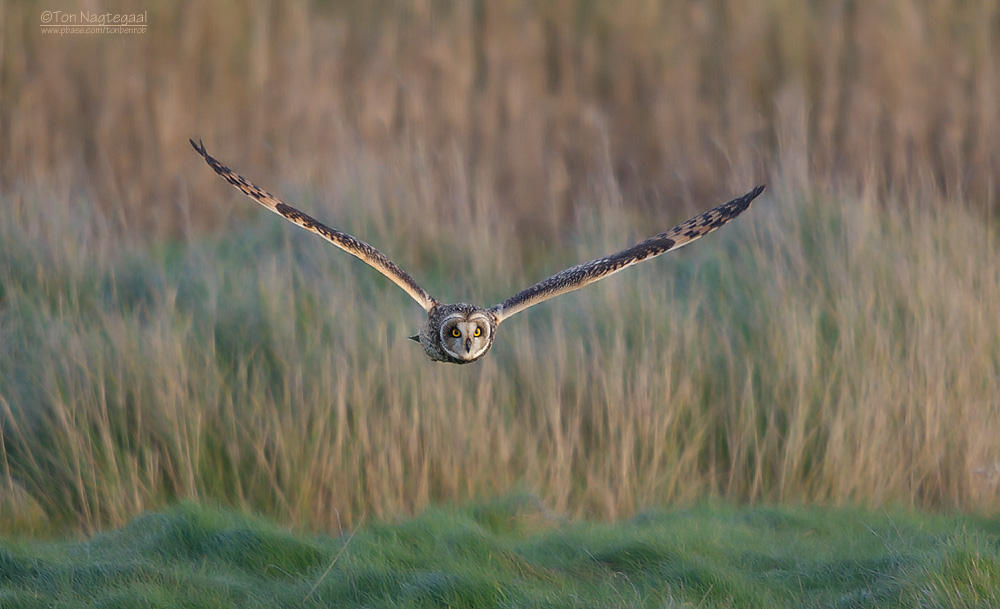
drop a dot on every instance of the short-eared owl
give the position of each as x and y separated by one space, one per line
462 333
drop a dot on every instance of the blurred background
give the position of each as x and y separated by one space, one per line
532 104
163 338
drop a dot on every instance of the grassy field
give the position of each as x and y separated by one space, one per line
167 346
513 553
824 348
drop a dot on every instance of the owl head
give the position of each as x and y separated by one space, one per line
457 333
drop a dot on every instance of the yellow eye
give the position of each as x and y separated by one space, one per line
455 332
478 332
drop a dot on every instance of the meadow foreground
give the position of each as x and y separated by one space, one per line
513 553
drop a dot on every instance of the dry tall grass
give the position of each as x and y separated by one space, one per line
838 344
535 98
821 349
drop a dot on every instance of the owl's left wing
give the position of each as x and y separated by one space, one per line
584 274
350 244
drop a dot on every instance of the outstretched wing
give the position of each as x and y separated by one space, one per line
349 244
589 272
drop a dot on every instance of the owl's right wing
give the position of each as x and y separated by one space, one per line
349 244
584 274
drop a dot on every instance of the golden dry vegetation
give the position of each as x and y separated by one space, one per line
161 337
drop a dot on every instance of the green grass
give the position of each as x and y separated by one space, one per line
514 553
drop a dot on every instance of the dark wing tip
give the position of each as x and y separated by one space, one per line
199 147
219 168
753 194
740 204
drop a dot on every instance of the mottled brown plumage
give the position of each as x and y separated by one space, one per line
583 274
346 242
461 333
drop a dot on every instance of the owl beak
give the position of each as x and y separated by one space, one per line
415 338
468 345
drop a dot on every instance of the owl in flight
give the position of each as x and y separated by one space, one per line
461 333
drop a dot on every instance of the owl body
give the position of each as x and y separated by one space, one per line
457 333
462 333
